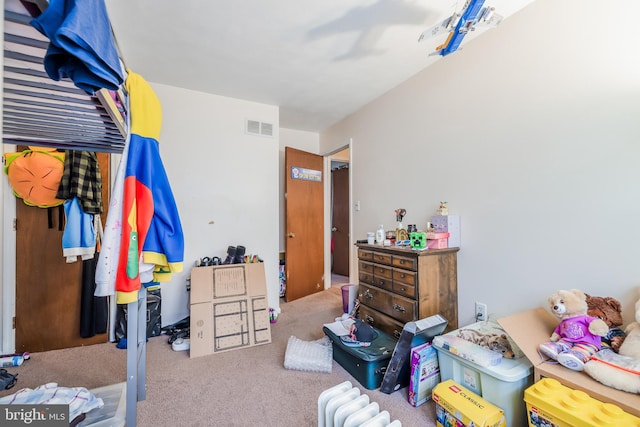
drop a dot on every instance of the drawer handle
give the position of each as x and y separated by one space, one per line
401 261
399 308
369 319
368 294
402 275
381 283
396 333
403 289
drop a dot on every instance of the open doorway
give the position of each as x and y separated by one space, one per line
340 218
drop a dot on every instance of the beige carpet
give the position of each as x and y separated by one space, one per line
248 387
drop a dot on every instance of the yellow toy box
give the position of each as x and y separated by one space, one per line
549 403
458 407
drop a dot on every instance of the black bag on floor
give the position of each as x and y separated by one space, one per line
7 380
154 316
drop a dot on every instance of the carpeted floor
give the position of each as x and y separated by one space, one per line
248 387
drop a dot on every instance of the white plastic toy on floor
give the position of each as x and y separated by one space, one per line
181 344
621 370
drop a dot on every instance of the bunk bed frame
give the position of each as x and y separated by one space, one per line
39 111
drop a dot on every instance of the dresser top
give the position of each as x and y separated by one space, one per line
405 250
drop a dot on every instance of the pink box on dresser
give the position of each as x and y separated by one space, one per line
437 244
448 224
433 236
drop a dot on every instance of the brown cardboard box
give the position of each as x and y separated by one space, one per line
229 308
529 329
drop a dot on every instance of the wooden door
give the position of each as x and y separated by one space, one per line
304 211
340 220
48 290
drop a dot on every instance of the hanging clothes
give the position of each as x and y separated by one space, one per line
80 233
82 179
110 244
94 311
82 46
151 233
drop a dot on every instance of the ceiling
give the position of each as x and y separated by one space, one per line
319 61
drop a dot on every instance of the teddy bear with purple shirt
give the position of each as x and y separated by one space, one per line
578 336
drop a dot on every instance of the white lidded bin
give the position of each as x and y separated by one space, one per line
502 384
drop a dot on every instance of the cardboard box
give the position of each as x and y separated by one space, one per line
531 328
549 403
425 373
455 405
229 308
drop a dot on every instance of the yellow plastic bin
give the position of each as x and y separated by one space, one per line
457 406
551 403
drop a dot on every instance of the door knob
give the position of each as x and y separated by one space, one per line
291 235
334 229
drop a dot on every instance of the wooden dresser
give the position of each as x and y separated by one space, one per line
398 285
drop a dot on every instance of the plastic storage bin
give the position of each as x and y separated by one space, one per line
459 407
502 384
551 403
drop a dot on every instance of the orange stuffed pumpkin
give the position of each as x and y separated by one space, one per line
35 175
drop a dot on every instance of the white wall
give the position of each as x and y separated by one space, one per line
531 133
225 182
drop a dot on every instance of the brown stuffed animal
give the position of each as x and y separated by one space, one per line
610 311
496 342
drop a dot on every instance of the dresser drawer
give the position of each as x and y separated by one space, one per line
396 306
410 263
366 255
382 276
366 278
381 321
365 272
404 282
382 258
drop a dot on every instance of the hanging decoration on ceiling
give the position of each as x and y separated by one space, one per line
461 23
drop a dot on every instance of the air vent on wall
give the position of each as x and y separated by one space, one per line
255 127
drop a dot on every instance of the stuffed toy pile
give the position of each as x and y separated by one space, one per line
610 311
578 335
622 370
495 342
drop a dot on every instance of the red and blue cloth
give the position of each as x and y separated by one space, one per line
151 228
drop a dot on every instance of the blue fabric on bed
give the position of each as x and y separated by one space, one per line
82 47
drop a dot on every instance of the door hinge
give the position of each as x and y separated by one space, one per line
14 322
15 224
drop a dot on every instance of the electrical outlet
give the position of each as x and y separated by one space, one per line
481 311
